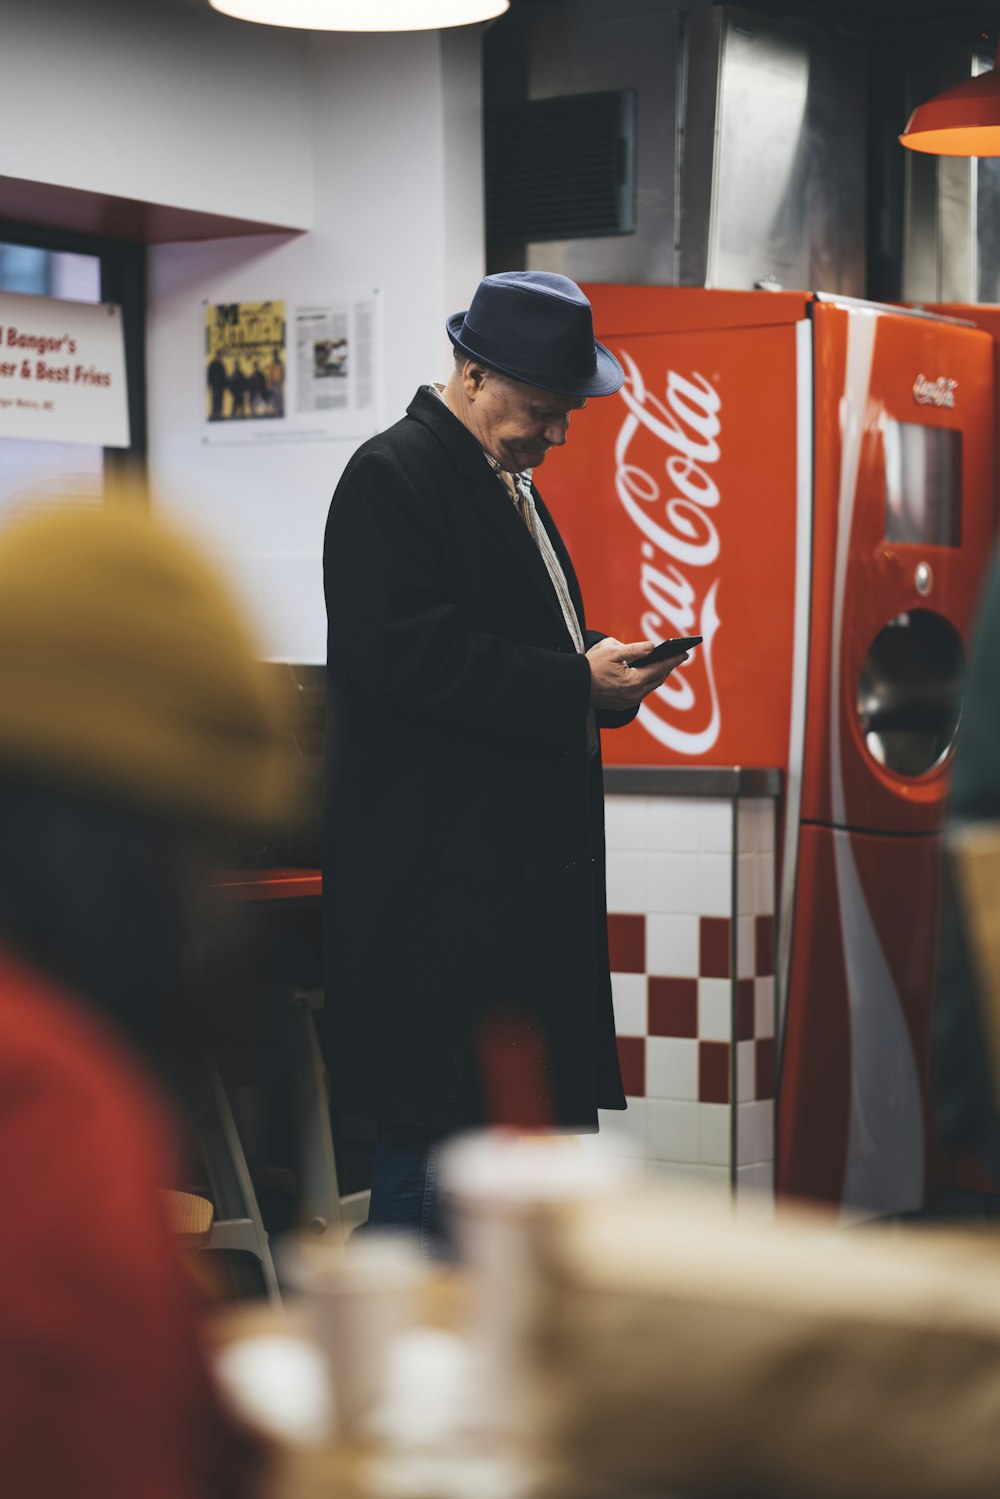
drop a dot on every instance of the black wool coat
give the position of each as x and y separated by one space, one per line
464 825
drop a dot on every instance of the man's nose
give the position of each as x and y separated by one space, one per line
555 431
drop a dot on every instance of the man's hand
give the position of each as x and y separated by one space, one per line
618 679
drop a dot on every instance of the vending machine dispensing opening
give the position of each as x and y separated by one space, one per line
909 699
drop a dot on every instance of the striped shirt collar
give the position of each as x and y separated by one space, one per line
518 489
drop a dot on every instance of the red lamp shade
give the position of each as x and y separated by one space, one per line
963 121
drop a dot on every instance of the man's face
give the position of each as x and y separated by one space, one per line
517 424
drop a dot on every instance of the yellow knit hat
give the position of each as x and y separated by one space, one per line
125 665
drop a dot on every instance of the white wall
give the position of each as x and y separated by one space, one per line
395 164
161 102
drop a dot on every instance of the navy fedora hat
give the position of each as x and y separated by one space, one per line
537 327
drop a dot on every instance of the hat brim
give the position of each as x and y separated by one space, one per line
607 379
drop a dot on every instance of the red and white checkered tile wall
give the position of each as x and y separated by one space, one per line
691 926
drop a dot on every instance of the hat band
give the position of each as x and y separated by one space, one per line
493 352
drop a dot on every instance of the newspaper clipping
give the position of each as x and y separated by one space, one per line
334 359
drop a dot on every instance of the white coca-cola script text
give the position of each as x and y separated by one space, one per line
939 392
680 548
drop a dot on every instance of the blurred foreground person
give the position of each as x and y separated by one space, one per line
133 723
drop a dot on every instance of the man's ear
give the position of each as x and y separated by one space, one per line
473 378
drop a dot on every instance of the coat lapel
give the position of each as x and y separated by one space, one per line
486 496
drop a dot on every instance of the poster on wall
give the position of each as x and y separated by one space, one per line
62 371
244 362
278 372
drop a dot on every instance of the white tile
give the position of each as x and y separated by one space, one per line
673 1171
672 882
714 1134
628 995
715 1010
715 1176
672 946
745 1152
763 1007
746 884
754 1132
764 866
755 1192
623 1131
627 882
755 829
757 1178
683 824
746 825
625 820
672 1130
667 825
746 1072
768 813
764 1126
671 1068
715 885
745 947
715 826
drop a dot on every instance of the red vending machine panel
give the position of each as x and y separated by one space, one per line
903 529
678 502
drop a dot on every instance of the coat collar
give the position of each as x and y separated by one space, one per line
488 498
462 448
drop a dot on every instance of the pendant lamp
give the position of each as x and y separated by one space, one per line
362 15
963 121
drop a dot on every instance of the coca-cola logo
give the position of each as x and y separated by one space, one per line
939 392
671 505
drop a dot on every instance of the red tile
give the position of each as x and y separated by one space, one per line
632 1058
627 944
765 1067
744 1010
673 1007
764 965
714 947
713 1072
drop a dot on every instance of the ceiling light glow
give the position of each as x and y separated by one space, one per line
362 15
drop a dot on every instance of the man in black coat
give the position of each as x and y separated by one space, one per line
465 918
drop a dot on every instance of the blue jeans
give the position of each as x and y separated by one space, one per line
405 1193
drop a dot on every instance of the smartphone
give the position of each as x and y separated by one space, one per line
669 648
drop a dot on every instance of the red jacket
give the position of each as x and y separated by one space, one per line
103 1393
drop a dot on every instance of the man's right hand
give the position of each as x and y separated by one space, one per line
618 679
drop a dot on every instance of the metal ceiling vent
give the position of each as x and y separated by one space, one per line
561 168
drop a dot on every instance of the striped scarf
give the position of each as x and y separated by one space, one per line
518 490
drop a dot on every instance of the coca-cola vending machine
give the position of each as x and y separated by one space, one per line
807 482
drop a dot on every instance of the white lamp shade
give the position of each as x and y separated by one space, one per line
363 15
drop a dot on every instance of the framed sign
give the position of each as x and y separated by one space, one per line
62 371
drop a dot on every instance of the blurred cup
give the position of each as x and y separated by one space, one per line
355 1300
503 1192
